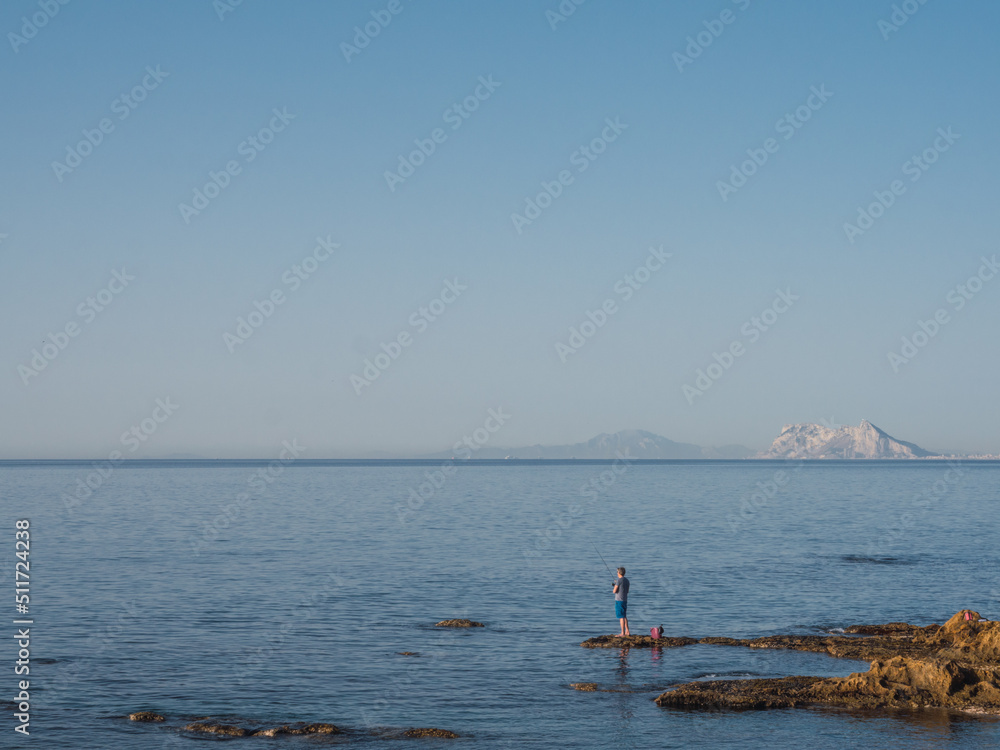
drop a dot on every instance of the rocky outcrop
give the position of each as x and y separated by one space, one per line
956 665
459 624
745 695
230 730
430 732
798 441
145 716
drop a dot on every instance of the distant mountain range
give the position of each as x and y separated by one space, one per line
629 443
796 441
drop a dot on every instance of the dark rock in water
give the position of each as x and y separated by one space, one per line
145 716
206 725
956 665
585 687
234 731
227 729
788 692
459 624
320 728
272 732
408 653
636 641
430 732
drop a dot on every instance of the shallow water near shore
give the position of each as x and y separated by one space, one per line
163 591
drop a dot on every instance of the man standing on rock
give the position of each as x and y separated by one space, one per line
620 590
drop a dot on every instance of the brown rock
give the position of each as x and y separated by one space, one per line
297 729
788 692
586 687
227 729
717 641
430 732
459 624
272 732
891 628
320 728
145 716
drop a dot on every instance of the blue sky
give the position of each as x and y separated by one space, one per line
683 126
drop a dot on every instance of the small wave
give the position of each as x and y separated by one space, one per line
727 675
870 560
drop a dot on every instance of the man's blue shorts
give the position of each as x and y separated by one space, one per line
620 608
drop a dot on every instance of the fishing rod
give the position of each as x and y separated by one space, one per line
602 559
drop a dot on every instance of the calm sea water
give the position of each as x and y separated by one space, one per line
166 590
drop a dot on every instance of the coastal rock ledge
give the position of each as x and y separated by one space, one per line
956 665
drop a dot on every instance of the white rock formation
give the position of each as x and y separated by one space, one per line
816 441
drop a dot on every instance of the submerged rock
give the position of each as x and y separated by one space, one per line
235 731
430 732
586 687
145 716
459 624
956 665
319 728
228 729
272 732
